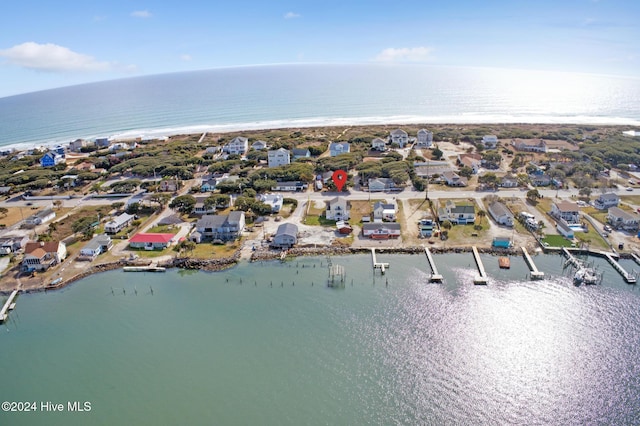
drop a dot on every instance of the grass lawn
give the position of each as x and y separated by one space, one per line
632 199
594 239
544 205
150 254
211 251
599 215
557 241
461 234
418 204
318 221
164 229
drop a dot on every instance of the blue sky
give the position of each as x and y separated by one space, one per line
51 44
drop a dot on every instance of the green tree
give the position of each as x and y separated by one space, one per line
162 198
465 171
533 195
447 224
183 203
437 153
117 205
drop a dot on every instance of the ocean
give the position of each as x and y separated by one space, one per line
277 96
269 343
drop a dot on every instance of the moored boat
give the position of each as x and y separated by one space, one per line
504 262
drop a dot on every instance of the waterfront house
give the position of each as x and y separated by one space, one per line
459 215
621 219
98 244
259 145
150 241
78 144
12 244
43 216
296 186
273 200
529 145
118 223
224 227
51 159
604 201
425 139
381 231
237 145
380 184
453 179
566 210
40 256
278 157
564 229
169 185
286 236
490 141
300 153
501 214
509 181
337 148
338 208
399 137
383 211
379 145
102 142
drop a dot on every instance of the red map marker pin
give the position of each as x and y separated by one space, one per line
339 179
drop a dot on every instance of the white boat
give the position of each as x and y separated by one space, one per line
586 276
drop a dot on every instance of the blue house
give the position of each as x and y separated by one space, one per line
59 149
208 186
50 159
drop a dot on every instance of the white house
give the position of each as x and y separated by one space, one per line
490 141
40 256
259 145
604 201
399 137
43 216
219 227
509 181
501 214
378 144
78 144
237 145
460 215
279 157
383 211
566 210
290 186
380 184
118 223
453 179
337 148
286 236
301 153
425 139
98 244
338 208
381 231
621 219
273 200
529 145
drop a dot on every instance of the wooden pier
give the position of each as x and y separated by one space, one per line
635 258
435 276
8 305
481 278
533 269
378 265
571 258
629 278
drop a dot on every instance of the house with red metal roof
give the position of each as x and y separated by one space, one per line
151 241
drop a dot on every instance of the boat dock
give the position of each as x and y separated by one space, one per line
629 278
8 305
571 258
377 264
635 258
481 278
533 269
435 276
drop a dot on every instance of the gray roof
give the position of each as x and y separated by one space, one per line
384 205
290 183
399 132
43 213
97 241
235 216
211 221
564 226
373 226
463 209
118 220
287 229
171 220
609 196
299 151
618 212
499 209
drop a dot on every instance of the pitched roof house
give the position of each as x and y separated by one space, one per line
566 210
118 223
453 179
279 157
621 219
501 214
460 215
337 148
286 236
425 139
151 241
237 145
300 153
399 137
604 201
51 159
383 211
381 231
380 184
378 144
259 145
220 227
43 216
490 141
338 208
98 244
40 256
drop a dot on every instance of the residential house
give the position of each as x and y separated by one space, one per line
237 145
169 185
566 210
219 227
12 244
565 230
151 241
338 208
40 256
102 142
43 216
51 159
212 150
118 223
279 157
490 141
399 137
78 144
380 184
379 144
501 214
286 236
199 208
296 186
621 219
425 139
208 185
453 179
59 149
472 161
337 148
300 153
98 244
5 190
85 166
529 145
123 146
540 180
273 200
604 201
509 181
259 145
383 211
381 231
459 215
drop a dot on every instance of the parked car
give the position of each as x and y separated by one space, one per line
629 188
607 228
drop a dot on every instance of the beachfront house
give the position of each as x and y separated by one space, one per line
399 137
529 145
40 256
300 153
337 148
224 227
621 219
51 159
380 184
604 201
566 210
286 236
425 139
118 223
273 200
457 214
379 145
383 211
238 145
259 145
338 208
43 216
296 186
102 142
490 141
501 214
453 179
381 230
278 157
98 244
78 144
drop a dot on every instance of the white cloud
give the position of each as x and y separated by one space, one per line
186 57
291 15
141 14
405 54
51 57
